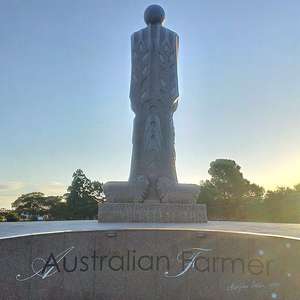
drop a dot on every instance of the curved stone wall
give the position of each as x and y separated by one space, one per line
149 264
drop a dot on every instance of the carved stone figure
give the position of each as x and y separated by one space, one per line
154 99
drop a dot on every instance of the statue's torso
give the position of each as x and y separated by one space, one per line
154 68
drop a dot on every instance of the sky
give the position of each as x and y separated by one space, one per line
64 90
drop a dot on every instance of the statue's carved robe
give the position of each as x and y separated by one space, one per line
154 96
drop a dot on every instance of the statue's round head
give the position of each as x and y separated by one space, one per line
154 14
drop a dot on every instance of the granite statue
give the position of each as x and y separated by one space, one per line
154 98
152 192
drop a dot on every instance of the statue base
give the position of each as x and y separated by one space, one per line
151 213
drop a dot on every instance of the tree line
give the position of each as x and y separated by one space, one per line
80 202
230 196
227 194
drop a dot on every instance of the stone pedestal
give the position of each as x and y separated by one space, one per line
152 213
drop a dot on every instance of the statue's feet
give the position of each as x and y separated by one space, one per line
141 188
126 192
164 186
172 192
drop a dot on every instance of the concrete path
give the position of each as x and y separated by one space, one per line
8 230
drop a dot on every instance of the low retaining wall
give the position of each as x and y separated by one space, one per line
149 264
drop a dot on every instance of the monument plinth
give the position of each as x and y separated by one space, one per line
152 193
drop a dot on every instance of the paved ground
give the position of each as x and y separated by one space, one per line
26 228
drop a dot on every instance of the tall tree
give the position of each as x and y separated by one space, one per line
83 196
228 185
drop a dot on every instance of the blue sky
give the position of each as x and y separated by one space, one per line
64 86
